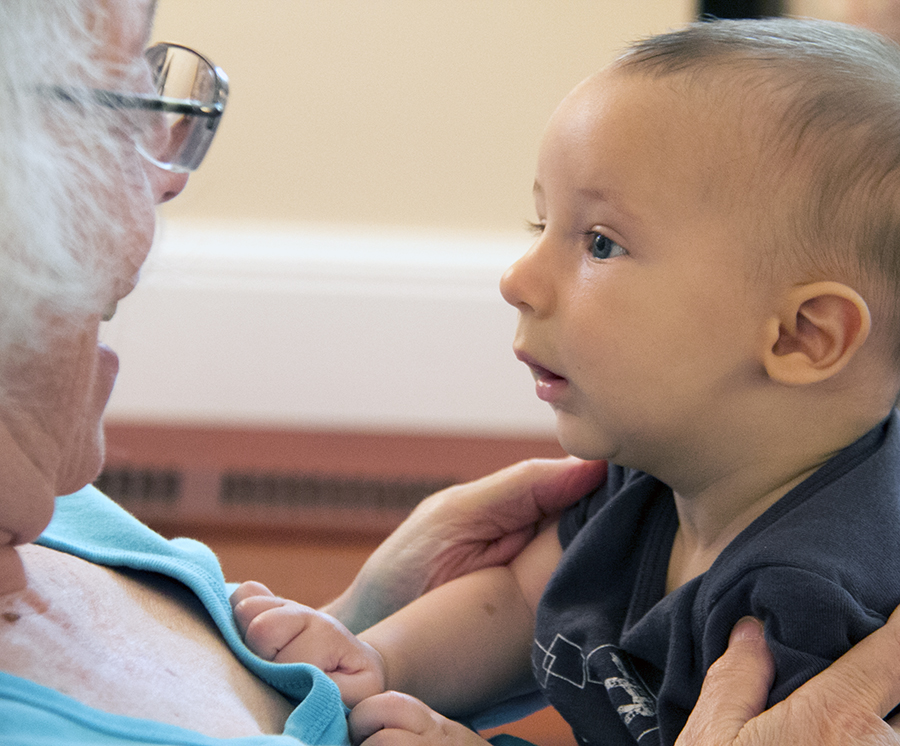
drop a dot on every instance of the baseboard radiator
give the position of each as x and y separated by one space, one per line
183 479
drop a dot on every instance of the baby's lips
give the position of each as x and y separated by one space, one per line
539 371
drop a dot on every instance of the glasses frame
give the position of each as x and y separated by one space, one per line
143 101
164 104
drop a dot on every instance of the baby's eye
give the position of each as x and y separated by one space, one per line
536 228
603 247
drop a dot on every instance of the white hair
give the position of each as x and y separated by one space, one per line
55 158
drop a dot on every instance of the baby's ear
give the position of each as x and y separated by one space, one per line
818 331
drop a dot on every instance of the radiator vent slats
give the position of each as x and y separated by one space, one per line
134 487
317 491
140 485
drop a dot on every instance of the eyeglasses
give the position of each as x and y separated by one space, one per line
182 117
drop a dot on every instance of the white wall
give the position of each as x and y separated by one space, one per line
260 325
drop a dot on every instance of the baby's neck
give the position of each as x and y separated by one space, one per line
708 522
731 481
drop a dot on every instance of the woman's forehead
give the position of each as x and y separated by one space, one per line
124 27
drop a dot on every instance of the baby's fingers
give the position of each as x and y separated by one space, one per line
395 719
249 600
248 589
258 621
386 712
305 635
274 628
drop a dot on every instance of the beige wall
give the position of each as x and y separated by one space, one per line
416 113
881 15
865 12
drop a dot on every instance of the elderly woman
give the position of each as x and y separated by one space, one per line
109 633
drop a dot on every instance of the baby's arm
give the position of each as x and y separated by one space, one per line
467 643
284 631
460 647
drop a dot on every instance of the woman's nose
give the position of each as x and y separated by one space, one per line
165 184
527 284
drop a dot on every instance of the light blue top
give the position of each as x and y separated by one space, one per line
89 525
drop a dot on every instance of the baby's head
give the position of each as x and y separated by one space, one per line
815 136
719 216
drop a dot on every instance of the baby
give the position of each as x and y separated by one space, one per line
711 305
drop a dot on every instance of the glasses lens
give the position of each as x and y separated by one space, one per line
172 139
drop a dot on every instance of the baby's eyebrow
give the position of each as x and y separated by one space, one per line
592 193
614 203
609 197
598 195
595 194
601 194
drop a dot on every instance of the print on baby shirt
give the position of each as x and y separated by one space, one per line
582 677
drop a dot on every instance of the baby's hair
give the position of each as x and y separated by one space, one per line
56 161
829 98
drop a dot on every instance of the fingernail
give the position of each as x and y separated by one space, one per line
746 630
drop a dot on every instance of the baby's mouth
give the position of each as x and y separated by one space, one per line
539 372
543 374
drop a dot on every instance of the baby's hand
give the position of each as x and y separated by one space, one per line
284 631
395 719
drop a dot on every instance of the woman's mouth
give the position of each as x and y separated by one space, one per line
549 386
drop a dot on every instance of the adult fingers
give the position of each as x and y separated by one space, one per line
565 482
488 522
842 706
734 691
524 493
461 529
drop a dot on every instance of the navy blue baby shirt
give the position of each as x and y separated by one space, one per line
623 662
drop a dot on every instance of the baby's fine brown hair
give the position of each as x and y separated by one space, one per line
826 97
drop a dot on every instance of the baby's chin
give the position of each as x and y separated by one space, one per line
580 437
582 448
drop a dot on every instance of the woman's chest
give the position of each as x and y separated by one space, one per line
136 645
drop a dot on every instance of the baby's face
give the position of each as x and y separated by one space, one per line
638 314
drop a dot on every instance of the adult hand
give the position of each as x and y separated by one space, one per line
461 529
842 706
